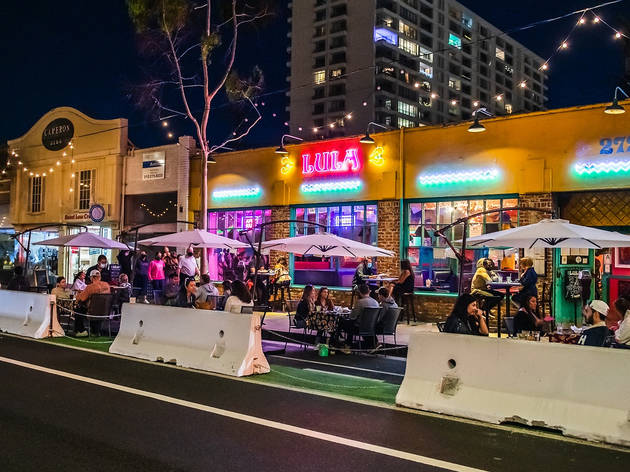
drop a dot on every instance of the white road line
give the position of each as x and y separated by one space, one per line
337 365
252 419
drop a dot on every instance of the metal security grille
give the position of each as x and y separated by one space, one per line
84 190
596 208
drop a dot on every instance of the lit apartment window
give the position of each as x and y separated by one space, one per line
405 123
426 55
408 30
336 73
500 54
319 76
455 41
388 104
407 109
36 194
426 70
408 46
454 83
84 189
383 34
467 21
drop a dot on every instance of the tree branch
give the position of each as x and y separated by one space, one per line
243 134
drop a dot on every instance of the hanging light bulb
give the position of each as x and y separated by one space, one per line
165 123
523 84
64 154
582 21
564 45
596 19
434 96
58 163
475 103
545 66
617 35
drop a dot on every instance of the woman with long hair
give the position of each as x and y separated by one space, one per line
526 319
323 300
306 307
466 318
406 280
240 297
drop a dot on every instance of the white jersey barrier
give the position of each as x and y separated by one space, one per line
28 314
582 391
215 341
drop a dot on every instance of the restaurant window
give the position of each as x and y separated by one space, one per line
429 254
84 189
36 194
353 221
239 225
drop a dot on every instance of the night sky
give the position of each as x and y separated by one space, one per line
84 54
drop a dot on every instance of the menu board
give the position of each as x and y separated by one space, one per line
114 271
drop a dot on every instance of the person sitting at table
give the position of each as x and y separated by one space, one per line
97 286
526 319
78 285
528 281
124 294
227 288
323 300
363 271
102 267
597 332
187 294
171 289
18 282
61 289
405 283
622 334
351 325
466 318
305 308
385 299
207 292
240 297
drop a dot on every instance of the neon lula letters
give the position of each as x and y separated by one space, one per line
329 162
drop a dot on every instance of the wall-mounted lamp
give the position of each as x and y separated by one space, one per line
367 139
477 127
281 149
615 108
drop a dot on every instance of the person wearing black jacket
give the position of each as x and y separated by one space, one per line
102 267
187 295
596 334
18 282
466 318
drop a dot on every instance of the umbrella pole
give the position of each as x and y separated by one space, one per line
462 261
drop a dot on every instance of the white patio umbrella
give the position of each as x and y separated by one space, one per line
196 237
84 239
325 244
551 233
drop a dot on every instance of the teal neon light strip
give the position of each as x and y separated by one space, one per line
459 177
243 192
334 186
609 167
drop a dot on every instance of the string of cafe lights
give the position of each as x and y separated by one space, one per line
159 214
587 16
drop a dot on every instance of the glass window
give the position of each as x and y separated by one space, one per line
454 40
426 55
426 70
319 76
407 109
357 222
430 256
241 225
383 34
405 123
500 53
408 46
36 193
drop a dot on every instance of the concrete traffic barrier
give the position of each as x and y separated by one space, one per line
209 340
28 314
581 391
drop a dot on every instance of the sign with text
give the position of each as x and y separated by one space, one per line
153 164
57 134
76 216
332 159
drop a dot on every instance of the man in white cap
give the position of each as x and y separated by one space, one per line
595 314
97 286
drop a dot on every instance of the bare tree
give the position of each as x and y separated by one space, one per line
195 48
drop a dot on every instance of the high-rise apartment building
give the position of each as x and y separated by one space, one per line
402 63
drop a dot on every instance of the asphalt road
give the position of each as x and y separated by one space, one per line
64 410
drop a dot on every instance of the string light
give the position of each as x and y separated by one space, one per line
564 45
596 19
58 163
159 214
165 123
475 103
523 84
617 35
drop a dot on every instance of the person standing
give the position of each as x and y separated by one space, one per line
141 276
124 259
528 281
102 267
156 272
188 266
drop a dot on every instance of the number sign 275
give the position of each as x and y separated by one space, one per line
614 145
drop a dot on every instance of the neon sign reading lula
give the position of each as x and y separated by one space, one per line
329 162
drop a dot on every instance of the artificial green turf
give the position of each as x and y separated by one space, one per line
100 343
351 386
357 387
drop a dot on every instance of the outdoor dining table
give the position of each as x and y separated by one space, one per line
368 278
507 286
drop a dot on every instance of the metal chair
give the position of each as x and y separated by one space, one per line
388 322
247 309
100 306
441 325
367 323
409 305
291 309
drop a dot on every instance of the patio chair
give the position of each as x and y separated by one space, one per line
441 325
247 309
100 306
367 323
291 309
387 324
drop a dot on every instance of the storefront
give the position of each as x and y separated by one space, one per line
397 192
66 176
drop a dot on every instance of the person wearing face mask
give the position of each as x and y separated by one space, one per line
364 269
141 276
188 266
102 266
596 334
